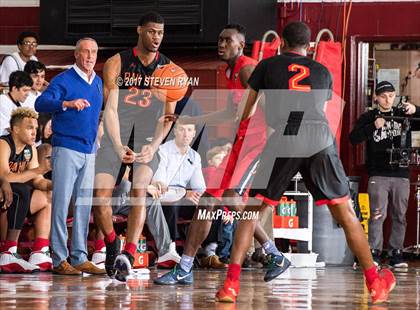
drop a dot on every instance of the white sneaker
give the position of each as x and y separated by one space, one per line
42 259
98 258
171 255
11 262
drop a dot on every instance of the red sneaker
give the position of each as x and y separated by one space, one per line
228 292
388 276
382 286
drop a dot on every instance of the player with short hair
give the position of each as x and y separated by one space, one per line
132 136
296 89
31 193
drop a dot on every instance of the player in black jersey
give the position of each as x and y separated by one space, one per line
296 89
133 133
31 193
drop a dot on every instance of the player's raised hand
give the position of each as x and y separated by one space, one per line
77 104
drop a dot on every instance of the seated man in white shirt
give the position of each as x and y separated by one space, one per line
180 166
20 84
36 70
27 43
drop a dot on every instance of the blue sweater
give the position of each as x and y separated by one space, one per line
72 129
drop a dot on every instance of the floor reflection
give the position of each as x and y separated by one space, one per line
297 288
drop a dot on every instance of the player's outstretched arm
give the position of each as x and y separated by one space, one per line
228 114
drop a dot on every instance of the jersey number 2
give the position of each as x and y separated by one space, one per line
295 117
303 72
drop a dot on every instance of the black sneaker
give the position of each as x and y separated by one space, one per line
277 265
376 255
397 260
112 251
123 265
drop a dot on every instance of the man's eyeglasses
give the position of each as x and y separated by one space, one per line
27 43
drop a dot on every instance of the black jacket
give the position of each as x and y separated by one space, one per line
379 140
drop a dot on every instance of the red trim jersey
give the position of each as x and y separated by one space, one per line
249 142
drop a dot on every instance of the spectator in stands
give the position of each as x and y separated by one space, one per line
20 84
27 43
45 132
214 158
74 98
36 70
31 193
188 106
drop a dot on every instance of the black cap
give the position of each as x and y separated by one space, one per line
384 86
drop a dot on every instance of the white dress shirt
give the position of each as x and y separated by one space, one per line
83 75
176 169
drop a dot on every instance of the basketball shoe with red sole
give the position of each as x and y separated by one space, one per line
11 262
229 292
380 288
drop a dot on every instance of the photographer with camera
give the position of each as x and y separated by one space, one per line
389 182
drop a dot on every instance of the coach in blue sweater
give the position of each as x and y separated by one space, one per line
74 98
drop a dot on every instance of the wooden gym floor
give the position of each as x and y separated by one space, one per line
298 288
